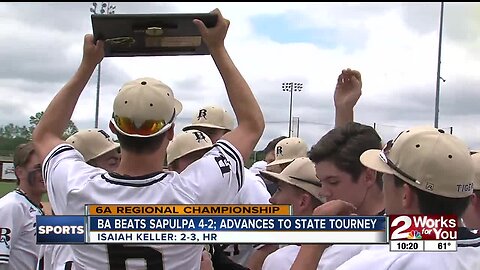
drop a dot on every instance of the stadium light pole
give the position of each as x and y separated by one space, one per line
439 77
105 8
291 87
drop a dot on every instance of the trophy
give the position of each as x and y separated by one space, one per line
127 35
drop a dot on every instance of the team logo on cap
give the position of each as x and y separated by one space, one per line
429 186
279 151
199 136
202 113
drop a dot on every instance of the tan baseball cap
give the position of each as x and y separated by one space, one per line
187 142
211 117
428 159
289 149
476 164
300 173
92 143
144 107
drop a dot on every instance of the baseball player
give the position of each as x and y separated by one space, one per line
144 112
99 150
425 171
215 121
18 211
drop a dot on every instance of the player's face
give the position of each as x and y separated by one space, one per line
286 194
108 161
393 195
32 174
339 185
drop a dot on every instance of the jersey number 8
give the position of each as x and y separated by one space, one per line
118 255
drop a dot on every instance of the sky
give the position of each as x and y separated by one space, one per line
393 45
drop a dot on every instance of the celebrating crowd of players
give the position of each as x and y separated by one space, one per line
348 171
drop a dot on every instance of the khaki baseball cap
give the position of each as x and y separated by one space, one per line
187 142
476 164
92 143
22 154
300 173
211 117
289 149
428 159
144 107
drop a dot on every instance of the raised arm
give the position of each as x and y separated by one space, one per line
48 133
347 92
249 115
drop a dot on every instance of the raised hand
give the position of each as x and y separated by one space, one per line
214 37
93 53
206 261
348 89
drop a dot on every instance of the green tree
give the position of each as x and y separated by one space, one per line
34 119
11 131
12 135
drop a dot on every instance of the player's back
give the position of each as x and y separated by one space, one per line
157 189
72 184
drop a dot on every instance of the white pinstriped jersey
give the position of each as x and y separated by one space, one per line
253 191
55 257
333 256
18 230
71 183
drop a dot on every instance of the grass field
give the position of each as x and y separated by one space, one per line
6 187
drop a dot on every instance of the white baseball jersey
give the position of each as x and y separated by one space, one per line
55 257
253 191
258 166
71 183
332 257
380 257
18 231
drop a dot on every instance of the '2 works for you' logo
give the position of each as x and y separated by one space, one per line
423 227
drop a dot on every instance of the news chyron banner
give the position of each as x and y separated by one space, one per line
423 233
203 224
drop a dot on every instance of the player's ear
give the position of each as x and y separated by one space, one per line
20 172
112 127
171 132
305 200
409 197
370 176
475 200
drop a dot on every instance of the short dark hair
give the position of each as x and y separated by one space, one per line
21 156
271 145
344 145
141 145
432 204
